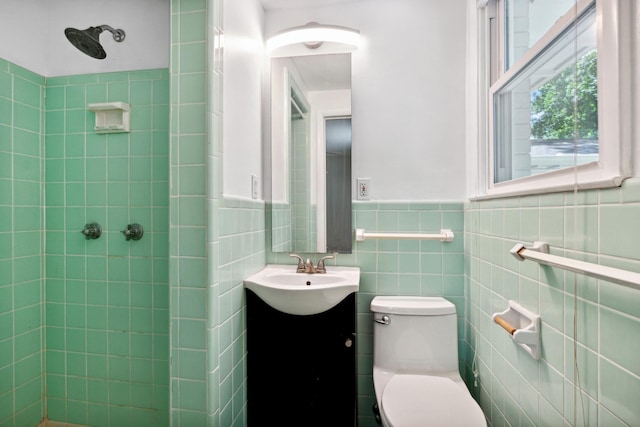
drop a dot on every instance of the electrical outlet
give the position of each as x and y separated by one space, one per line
363 188
254 187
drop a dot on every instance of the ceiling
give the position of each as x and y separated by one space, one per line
297 4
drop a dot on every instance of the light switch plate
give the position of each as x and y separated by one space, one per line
254 187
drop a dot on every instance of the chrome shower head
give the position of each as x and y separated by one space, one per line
88 41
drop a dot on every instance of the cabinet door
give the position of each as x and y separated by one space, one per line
301 369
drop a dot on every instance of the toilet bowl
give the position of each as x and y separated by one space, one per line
415 357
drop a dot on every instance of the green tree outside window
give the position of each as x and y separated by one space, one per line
552 106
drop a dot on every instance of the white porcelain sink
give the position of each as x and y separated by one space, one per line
301 293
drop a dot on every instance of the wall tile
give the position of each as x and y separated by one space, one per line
192 27
21 285
617 389
580 228
98 298
423 268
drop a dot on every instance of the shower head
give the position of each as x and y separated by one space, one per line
88 41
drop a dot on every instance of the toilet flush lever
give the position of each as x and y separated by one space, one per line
384 321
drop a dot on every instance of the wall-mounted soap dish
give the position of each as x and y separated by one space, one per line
111 117
523 326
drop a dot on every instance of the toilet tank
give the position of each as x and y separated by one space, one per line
420 336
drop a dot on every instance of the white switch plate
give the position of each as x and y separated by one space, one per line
254 187
363 188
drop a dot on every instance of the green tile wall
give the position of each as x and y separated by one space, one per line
215 243
302 236
242 253
399 267
598 226
279 217
107 300
223 399
189 235
21 246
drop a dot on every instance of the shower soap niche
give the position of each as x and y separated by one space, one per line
523 326
112 117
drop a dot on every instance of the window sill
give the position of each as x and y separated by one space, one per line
584 177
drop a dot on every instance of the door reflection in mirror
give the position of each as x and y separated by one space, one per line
338 184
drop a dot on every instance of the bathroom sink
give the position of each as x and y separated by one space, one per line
301 293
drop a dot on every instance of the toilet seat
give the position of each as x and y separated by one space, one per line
421 400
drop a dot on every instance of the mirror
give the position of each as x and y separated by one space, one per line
311 153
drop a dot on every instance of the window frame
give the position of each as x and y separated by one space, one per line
614 23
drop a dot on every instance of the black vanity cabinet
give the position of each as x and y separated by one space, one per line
301 370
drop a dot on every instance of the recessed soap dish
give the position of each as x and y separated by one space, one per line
111 117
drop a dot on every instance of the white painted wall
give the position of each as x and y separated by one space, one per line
408 93
635 65
475 128
244 60
33 35
24 31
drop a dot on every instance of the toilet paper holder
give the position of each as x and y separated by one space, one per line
522 325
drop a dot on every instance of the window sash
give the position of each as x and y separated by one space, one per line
512 141
614 106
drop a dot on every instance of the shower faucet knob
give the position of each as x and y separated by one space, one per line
92 231
133 232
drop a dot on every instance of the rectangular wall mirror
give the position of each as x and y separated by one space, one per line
311 153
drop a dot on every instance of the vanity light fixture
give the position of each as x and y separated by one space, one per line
308 39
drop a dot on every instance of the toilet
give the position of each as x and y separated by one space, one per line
415 364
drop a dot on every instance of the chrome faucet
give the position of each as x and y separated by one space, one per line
308 267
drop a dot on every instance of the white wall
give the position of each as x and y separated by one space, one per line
33 35
24 31
635 65
244 60
408 93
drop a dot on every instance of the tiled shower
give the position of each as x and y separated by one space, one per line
107 300
104 303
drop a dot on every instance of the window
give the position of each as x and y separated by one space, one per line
557 95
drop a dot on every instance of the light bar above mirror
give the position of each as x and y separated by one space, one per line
313 39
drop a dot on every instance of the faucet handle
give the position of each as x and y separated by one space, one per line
300 262
320 268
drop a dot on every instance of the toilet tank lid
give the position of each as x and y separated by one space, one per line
426 306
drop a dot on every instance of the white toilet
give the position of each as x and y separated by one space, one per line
415 364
